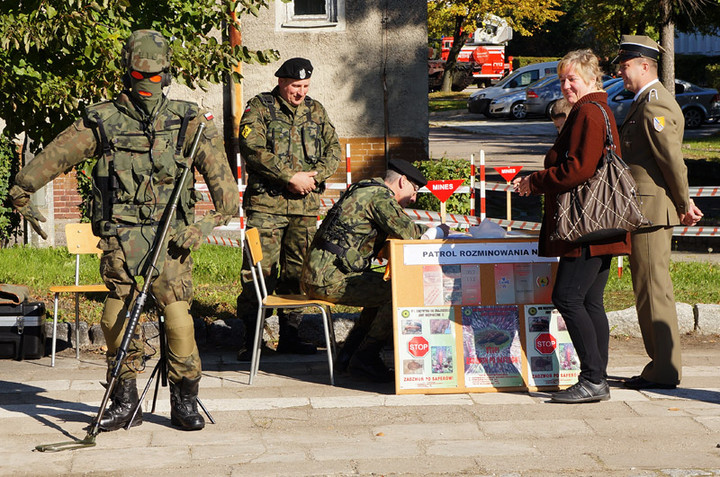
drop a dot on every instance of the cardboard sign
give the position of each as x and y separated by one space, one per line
443 189
508 173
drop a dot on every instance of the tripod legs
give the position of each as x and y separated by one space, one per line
161 367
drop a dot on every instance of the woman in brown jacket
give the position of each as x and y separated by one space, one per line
584 267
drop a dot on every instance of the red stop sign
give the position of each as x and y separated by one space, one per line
418 346
545 343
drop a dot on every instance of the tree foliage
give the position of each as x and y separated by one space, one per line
55 54
460 18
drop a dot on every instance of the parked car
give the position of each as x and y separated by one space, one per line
508 105
479 101
541 95
698 104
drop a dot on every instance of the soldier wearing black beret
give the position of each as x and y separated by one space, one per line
290 149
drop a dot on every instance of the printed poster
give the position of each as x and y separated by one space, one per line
445 285
426 343
491 346
551 355
523 283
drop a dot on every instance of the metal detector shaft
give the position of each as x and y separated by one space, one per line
134 315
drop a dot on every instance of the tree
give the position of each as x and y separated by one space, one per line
55 54
461 17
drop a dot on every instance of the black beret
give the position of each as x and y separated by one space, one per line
295 68
408 170
636 46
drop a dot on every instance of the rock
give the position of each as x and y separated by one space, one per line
707 318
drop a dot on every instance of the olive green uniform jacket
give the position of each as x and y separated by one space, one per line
277 140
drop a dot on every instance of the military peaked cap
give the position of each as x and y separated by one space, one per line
636 46
408 170
295 68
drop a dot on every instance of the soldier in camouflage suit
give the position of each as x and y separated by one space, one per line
142 141
290 149
337 268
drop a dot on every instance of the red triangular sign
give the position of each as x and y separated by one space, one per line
508 172
443 189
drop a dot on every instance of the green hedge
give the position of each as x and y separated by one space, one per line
520 61
9 221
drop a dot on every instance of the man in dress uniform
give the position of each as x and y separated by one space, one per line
651 140
290 149
337 268
141 140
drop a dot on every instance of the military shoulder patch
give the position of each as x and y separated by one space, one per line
659 123
246 130
209 116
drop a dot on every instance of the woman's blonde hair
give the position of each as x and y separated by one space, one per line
586 65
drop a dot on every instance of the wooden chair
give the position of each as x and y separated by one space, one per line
80 240
266 302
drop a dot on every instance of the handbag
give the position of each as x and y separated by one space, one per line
605 205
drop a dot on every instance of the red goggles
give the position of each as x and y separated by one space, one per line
153 77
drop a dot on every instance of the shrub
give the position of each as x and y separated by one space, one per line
9 220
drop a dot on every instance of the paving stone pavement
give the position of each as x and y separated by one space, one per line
292 422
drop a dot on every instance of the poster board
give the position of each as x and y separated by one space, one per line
474 315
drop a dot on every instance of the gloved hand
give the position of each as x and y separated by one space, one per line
189 238
192 236
21 202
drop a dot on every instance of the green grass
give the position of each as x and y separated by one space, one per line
216 278
440 101
702 148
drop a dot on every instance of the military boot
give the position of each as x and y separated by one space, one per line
351 344
366 362
124 401
289 341
183 405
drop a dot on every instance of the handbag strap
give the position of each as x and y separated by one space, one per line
609 143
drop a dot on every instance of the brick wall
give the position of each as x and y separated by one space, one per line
367 160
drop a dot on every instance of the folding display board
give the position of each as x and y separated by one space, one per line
476 316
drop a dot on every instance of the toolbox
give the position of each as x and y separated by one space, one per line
22 330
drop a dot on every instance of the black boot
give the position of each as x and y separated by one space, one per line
124 401
351 344
250 322
289 341
183 405
366 362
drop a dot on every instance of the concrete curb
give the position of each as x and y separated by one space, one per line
702 319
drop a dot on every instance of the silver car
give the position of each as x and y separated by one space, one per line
698 104
510 105
541 95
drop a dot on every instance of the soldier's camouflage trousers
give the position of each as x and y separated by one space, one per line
173 285
366 289
284 241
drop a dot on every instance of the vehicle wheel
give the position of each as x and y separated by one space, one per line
549 108
518 111
693 118
474 108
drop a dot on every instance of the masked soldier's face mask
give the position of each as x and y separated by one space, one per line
146 88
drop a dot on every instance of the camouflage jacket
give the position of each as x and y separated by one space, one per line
144 156
276 141
359 223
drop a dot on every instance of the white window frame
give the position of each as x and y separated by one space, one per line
287 20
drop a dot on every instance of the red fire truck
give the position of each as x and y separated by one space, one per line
485 50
